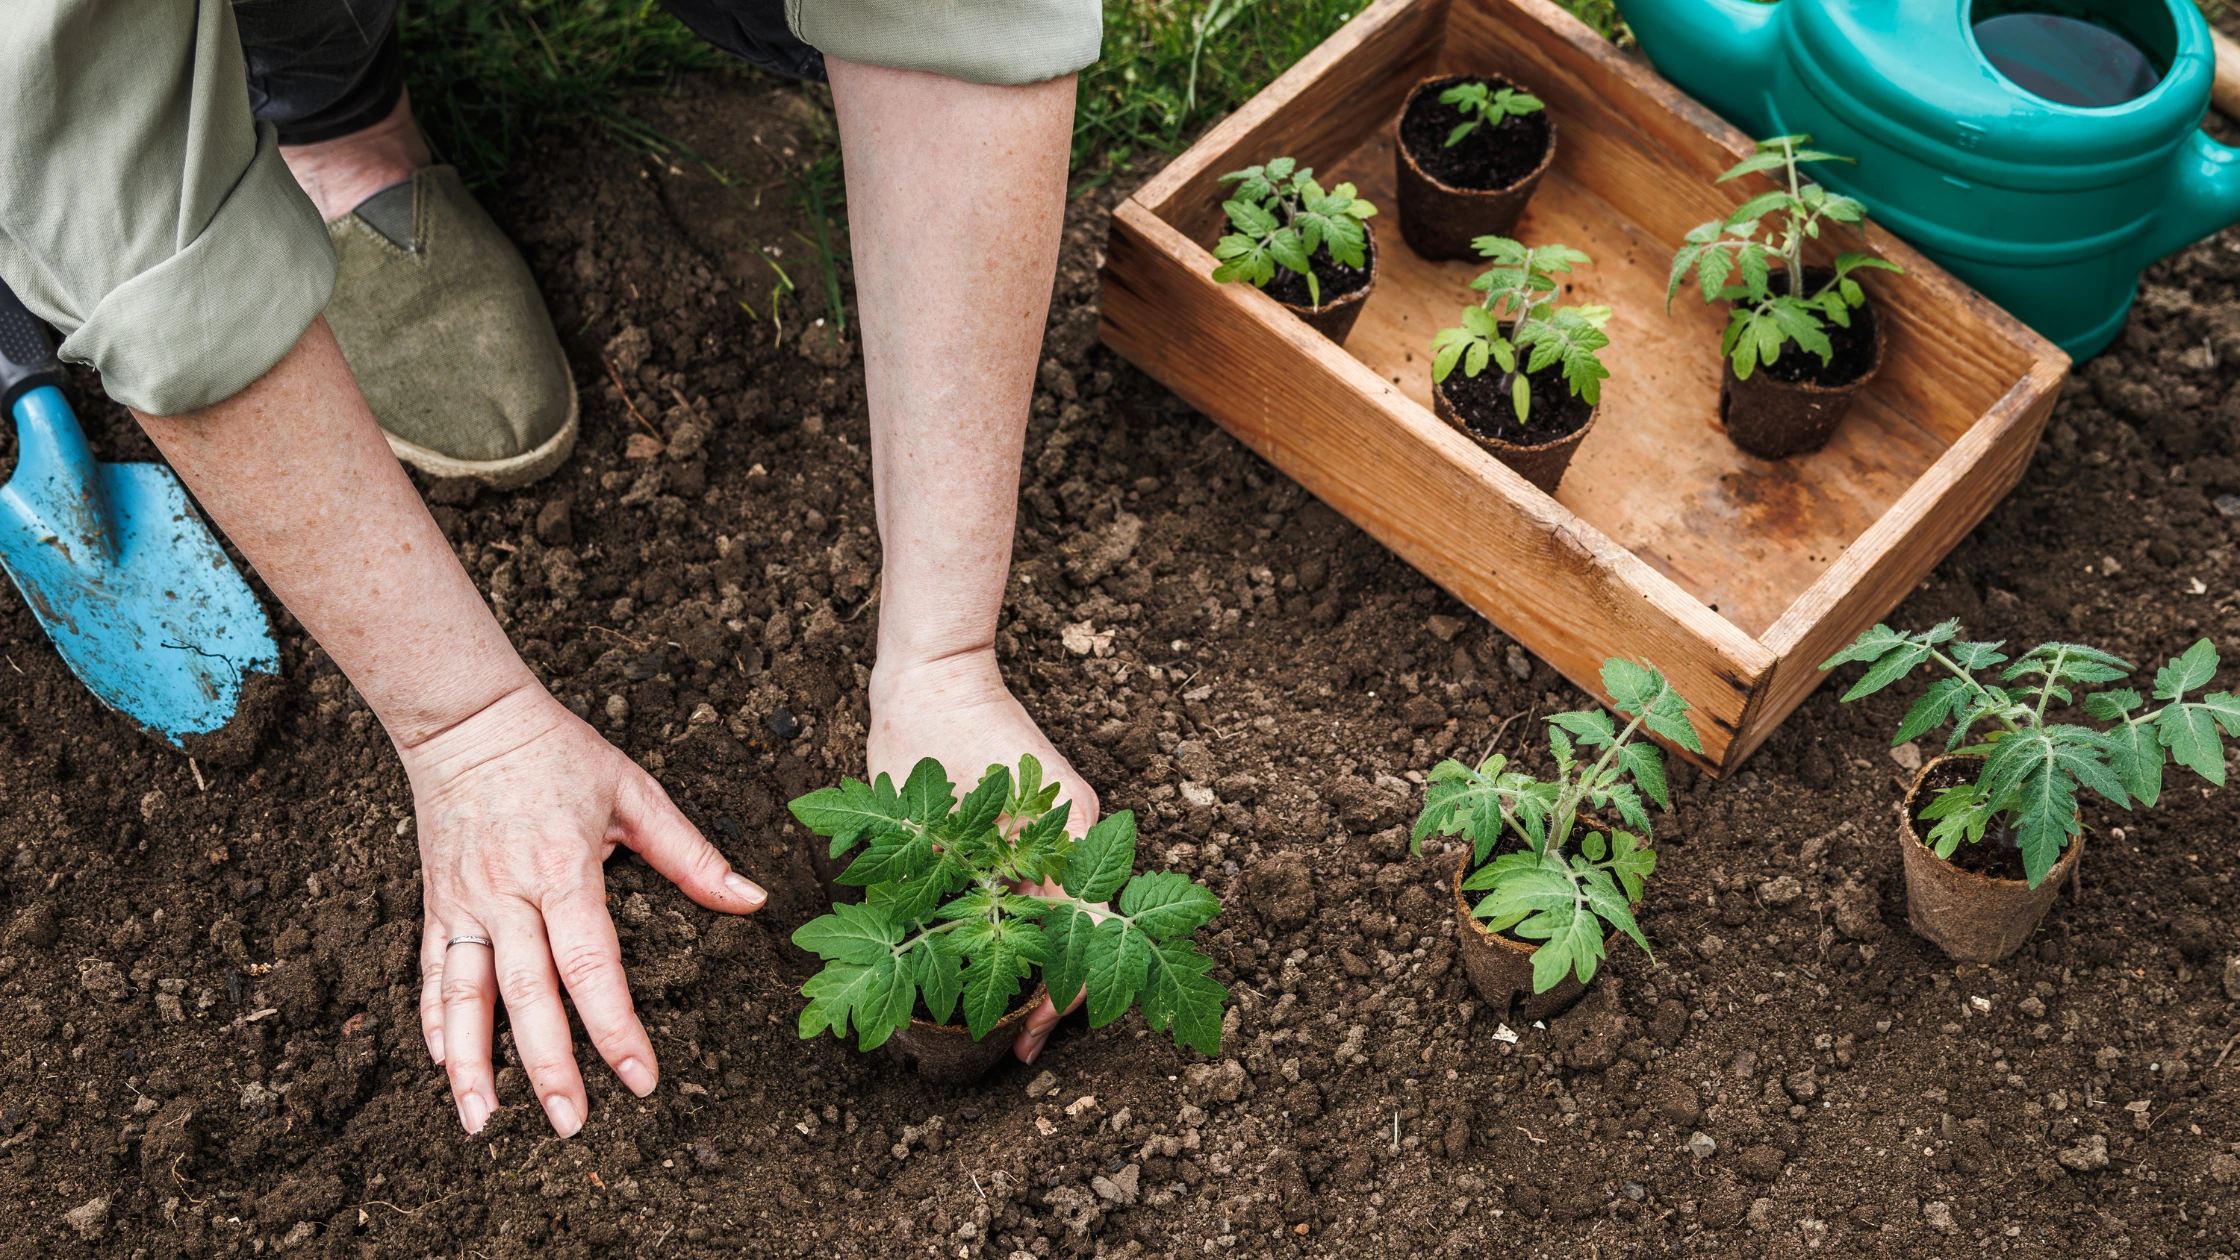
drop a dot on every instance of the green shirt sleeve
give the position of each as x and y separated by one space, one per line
1004 42
143 211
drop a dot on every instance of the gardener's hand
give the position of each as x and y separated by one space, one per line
956 710
1043 1019
518 806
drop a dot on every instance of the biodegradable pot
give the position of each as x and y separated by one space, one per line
1439 220
1542 465
1500 969
1972 917
946 1054
1774 419
1334 318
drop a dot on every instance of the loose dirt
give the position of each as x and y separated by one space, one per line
1489 406
211 1046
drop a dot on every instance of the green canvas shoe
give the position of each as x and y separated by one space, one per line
449 339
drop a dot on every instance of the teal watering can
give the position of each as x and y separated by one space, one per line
2042 152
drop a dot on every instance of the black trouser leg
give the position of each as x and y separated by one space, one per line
319 69
754 31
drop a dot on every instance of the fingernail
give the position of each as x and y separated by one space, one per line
745 890
636 1076
1031 1047
435 1046
473 1111
562 1113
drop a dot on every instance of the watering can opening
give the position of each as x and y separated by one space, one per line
2090 54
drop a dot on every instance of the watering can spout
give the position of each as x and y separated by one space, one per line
1722 52
2203 197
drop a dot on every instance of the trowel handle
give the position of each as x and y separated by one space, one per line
26 356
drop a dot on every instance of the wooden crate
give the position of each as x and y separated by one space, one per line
1735 576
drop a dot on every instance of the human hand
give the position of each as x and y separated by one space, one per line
518 807
1043 1019
958 711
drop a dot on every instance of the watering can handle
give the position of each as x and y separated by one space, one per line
26 356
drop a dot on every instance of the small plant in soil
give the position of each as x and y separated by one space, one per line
2025 795
1520 291
1472 150
1283 221
1562 883
1733 260
944 921
1481 104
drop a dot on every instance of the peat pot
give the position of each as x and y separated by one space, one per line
1970 916
1334 318
1542 464
1439 219
1500 969
1774 419
946 1054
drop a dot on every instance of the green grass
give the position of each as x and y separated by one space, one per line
1172 66
487 74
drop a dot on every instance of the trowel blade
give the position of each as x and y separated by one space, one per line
168 633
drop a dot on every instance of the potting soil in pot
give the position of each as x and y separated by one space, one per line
146 923
1485 405
1996 856
1853 347
1487 158
1336 279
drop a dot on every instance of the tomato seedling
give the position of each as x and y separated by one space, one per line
2033 765
942 921
1282 219
1520 290
1567 896
1733 260
1480 104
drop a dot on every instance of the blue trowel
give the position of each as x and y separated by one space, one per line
123 574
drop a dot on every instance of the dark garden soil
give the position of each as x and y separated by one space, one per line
1335 278
1852 346
210 1044
1487 159
1486 405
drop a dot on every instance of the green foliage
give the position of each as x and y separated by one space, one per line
487 74
1479 104
1568 901
1520 288
1733 261
1169 67
2032 766
941 919
1282 219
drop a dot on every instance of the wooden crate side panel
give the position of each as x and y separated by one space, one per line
1463 520
1653 153
1318 111
1886 563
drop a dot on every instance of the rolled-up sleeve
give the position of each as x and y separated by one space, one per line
1004 42
143 211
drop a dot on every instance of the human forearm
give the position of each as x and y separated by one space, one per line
954 291
297 474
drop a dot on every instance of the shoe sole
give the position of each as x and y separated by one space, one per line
498 474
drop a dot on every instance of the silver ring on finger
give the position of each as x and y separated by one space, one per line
483 941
